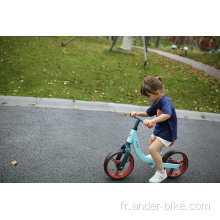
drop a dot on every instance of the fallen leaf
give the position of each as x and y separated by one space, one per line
14 162
4 103
32 104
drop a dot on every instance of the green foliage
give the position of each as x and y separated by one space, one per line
86 70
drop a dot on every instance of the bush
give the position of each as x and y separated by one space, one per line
207 43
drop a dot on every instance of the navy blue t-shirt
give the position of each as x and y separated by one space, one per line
166 129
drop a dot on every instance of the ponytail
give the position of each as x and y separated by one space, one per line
151 85
160 78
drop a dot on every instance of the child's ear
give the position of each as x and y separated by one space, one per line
157 92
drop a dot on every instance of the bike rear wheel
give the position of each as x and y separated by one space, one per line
176 157
112 162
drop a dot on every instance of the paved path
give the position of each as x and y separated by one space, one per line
195 64
56 140
70 145
34 102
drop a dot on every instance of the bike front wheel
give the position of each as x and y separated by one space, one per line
112 162
176 157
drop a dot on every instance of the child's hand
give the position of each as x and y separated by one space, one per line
132 114
146 122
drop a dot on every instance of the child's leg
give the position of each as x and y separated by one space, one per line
153 149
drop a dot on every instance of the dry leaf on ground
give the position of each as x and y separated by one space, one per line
14 162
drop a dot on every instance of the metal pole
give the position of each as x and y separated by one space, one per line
145 55
62 44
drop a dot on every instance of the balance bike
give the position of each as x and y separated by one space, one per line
119 163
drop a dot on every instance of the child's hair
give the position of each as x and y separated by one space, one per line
151 85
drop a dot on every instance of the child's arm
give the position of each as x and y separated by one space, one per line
158 119
143 114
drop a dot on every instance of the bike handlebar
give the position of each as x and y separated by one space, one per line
150 125
138 118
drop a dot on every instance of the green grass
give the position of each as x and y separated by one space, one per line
210 59
86 70
195 54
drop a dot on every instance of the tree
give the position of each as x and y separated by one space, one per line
113 42
181 40
127 43
207 43
176 40
157 41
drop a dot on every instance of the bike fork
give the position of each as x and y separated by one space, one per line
127 148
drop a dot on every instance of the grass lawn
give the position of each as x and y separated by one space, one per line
210 59
85 70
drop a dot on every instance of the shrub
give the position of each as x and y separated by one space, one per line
207 43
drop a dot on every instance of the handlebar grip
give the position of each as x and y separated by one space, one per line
150 125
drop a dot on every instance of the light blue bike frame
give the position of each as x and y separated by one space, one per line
133 139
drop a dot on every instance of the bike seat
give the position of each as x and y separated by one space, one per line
172 144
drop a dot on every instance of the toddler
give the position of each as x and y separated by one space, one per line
165 130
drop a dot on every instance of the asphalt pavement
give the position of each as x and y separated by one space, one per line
60 145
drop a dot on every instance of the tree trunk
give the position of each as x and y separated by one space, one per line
113 43
164 41
181 40
127 43
157 41
176 40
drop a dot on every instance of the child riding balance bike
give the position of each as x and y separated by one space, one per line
119 164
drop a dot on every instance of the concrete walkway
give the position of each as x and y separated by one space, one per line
195 64
34 102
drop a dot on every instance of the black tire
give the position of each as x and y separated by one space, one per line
176 157
111 164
